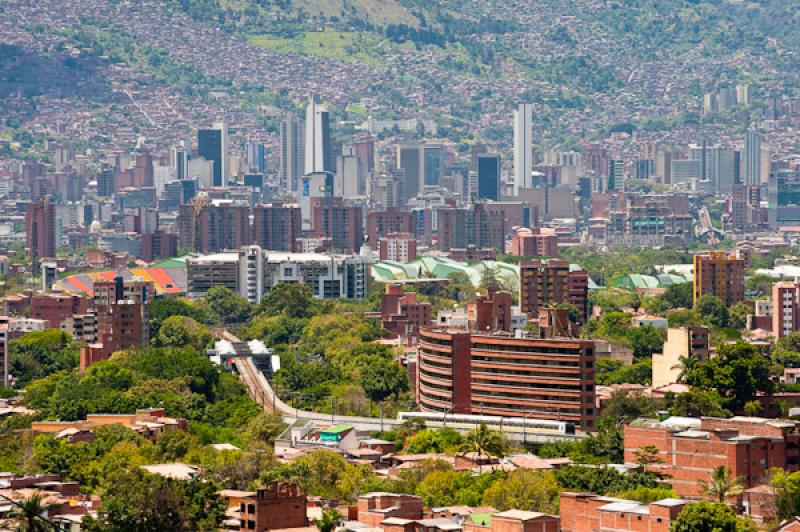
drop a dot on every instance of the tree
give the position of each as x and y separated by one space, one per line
648 455
679 295
626 405
645 341
737 373
686 364
31 514
382 378
228 305
696 402
485 442
293 300
787 494
722 484
738 315
524 489
180 331
329 521
41 353
265 427
685 318
704 516
433 441
135 500
713 309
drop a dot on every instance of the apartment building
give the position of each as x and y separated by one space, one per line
252 272
719 274
545 283
497 374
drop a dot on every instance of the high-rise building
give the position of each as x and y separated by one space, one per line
364 149
254 156
180 155
752 158
472 373
392 220
433 156
343 224
409 160
489 177
318 151
212 145
546 283
210 227
106 182
292 163
616 175
785 308
534 243
398 247
277 227
143 170
720 275
159 245
40 230
523 146
474 226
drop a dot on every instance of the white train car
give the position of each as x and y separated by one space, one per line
510 424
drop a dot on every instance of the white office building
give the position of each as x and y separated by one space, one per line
523 147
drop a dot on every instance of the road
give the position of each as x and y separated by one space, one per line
260 391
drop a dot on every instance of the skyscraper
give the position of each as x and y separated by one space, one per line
489 177
292 152
212 145
523 146
616 177
40 228
433 163
318 155
277 227
409 159
752 158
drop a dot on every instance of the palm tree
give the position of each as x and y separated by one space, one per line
329 521
30 514
722 484
686 364
484 442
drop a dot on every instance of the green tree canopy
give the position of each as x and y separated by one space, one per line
524 489
737 373
713 309
181 331
705 516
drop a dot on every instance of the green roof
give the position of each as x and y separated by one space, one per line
482 519
337 429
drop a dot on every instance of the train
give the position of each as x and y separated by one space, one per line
468 421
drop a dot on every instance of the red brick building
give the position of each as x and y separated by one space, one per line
342 223
159 245
720 275
399 247
692 447
587 512
277 227
40 230
468 373
534 243
211 227
490 313
401 313
55 308
545 283
278 505
392 220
